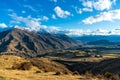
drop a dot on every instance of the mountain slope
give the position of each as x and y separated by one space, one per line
110 65
31 43
101 67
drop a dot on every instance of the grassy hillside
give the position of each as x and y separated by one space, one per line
17 68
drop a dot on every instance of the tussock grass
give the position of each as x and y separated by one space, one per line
43 69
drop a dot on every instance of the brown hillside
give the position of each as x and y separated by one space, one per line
42 64
17 41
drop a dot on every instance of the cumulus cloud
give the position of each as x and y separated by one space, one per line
30 23
103 4
3 25
104 16
61 13
89 5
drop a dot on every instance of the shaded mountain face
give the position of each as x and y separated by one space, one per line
108 65
31 44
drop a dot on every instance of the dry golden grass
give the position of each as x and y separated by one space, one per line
31 75
6 72
47 65
9 61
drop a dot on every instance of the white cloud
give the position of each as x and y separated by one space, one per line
103 4
53 16
100 32
106 32
104 16
61 13
115 32
30 23
78 10
45 18
72 32
87 9
30 7
89 5
80 32
3 25
53 29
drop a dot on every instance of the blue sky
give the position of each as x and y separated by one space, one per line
73 17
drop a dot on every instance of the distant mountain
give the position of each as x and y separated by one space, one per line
18 41
101 42
89 38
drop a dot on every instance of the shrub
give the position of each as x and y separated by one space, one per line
38 71
75 73
108 75
66 73
58 73
22 66
111 76
115 77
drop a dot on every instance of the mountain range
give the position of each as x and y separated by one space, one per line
16 41
89 38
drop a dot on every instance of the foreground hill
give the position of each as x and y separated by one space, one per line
16 41
42 64
17 68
